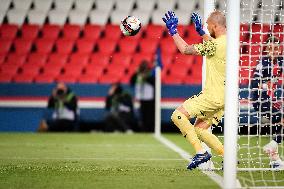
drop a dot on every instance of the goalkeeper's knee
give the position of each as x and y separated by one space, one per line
180 120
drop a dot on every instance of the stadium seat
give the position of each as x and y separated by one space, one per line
84 5
29 70
109 79
79 58
23 78
186 5
100 59
5 45
84 46
255 49
167 60
99 17
17 59
148 45
57 58
78 17
22 4
157 17
44 78
244 60
71 31
154 31
125 5
127 45
56 16
66 78
146 5
5 78
166 5
244 75
117 16
72 70
52 69
178 70
193 80
105 5
5 4
8 31
168 46
2 58
16 16
22 46
106 46
125 79
94 69
112 32
172 80
139 57
36 17
64 46
30 31
63 5
121 59
92 32
37 58
43 45
184 60
88 78
9 69
116 69
43 6
50 31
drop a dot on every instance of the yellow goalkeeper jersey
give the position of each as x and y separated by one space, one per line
215 52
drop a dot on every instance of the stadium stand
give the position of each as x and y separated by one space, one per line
54 35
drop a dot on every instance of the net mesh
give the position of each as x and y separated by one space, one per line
260 19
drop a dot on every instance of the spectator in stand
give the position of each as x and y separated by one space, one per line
120 116
144 82
63 105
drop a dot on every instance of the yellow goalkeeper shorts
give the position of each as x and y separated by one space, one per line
203 107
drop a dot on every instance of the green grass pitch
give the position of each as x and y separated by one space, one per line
96 160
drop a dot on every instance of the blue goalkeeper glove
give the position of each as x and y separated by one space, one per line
195 17
171 22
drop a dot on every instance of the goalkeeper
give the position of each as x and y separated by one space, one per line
264 86
208 106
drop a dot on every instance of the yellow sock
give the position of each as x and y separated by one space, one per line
187 130
211 140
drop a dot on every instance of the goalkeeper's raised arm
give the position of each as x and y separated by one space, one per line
216 27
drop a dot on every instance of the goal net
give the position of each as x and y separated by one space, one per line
261 87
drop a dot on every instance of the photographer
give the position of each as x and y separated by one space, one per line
119 106
63 104
144 82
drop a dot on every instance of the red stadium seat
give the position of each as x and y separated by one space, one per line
168 46
244 75
66 78
88 78
57 58
5 78
44 45
121 59
115 69
22 46
182 30
127 45
71 31
44 78
106 46
64 46
85 46
92 32
148 45
193 80
29 31
154 31
94 69
5 45
2 58
100 59
52 69
50 31
184 60
9 69
167 60
244 60
109 79
192 32
8 31
37 58
172 80
79 58
17 59
112 32
178 70
28 70
126 79
255 49
139 57
23 78
73 70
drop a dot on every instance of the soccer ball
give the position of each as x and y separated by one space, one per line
130 26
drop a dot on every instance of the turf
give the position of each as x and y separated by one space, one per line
94 161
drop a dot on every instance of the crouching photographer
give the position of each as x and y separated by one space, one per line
62 108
